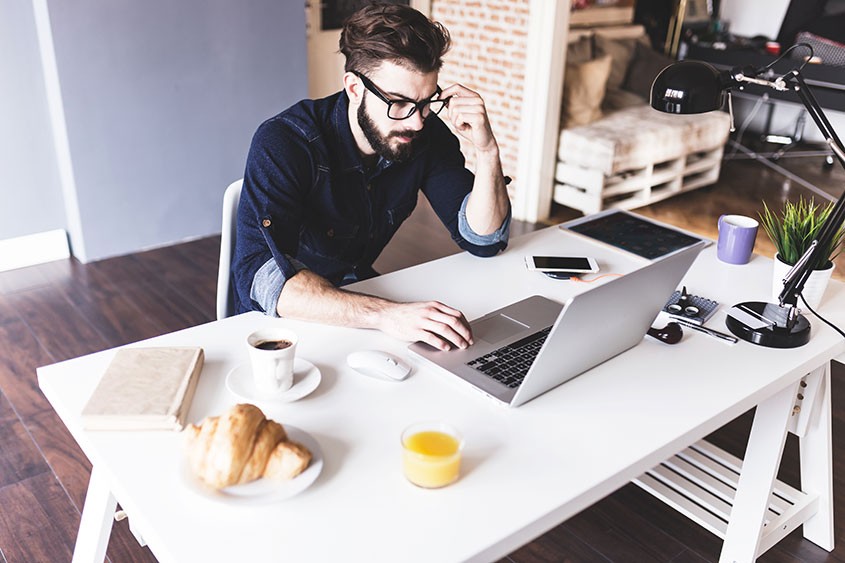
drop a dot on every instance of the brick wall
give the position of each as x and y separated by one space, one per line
489 42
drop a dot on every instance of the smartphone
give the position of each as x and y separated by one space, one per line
574 264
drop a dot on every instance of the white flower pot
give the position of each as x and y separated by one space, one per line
813 288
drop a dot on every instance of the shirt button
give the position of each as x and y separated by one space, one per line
369 187
266 222
330 233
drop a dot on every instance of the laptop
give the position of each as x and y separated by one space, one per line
531 346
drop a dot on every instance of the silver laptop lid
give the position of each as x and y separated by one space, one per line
601 323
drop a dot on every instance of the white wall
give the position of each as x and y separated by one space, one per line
30 195
160 100
754 17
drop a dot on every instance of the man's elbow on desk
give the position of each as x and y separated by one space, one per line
483 251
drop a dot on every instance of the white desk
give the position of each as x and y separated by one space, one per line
526 469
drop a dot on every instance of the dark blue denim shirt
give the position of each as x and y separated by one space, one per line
309 202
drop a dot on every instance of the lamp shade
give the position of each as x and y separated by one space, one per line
687 87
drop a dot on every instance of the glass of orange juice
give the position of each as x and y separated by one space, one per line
431 454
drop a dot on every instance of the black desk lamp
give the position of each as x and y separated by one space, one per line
697 87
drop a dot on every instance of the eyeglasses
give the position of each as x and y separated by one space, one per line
403 109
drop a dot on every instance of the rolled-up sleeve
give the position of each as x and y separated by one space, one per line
498 236
268 282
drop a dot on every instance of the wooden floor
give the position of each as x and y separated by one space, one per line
61 310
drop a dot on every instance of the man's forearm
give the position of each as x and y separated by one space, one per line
488 204
311 297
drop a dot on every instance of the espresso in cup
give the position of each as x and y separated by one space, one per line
273 344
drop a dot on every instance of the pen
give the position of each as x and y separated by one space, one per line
708 331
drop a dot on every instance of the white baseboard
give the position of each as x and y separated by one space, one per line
29 250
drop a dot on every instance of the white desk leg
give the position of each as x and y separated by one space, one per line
817 465
759 470
97 517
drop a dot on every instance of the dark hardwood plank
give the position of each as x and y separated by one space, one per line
160 303
687 556
60 451
21 458
20 354
57 325
696 539
563 547
124 548
38 522
159 264
621 533
108 308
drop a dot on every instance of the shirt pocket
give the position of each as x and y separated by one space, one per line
398 214
329 238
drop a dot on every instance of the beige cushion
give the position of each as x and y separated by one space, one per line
640 136
583 91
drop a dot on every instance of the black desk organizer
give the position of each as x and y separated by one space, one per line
706 308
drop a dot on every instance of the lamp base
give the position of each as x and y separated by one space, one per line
781 335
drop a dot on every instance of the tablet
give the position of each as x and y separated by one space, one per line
632 233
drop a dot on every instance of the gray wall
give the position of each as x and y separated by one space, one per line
30 195
160 100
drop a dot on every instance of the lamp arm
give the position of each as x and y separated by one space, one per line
797 277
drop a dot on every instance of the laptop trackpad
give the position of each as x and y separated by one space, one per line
495 329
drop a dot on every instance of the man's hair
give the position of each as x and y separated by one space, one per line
391 32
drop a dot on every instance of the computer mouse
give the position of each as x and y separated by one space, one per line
376 363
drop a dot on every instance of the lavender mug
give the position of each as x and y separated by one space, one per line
737 234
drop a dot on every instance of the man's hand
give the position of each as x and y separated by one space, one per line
431 322
469 117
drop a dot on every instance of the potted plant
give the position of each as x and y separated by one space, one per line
792 231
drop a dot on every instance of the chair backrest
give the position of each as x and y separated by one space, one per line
231 197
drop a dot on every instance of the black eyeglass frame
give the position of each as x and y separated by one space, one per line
415 106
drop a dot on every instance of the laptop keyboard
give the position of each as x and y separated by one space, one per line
509 364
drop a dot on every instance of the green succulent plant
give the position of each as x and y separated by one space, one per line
797 225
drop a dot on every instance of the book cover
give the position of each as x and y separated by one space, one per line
145 389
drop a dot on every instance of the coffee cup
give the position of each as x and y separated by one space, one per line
737 234
272 352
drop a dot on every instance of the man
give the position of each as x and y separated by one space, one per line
328 182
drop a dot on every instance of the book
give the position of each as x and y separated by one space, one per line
145 389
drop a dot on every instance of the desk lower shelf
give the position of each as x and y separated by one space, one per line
701 481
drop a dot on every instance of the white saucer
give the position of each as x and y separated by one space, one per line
306 378
263 490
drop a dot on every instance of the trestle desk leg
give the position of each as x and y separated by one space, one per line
97 517
759 470
816 449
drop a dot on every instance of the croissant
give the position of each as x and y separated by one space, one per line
242 445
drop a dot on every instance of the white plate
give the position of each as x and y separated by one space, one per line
306 378
263 490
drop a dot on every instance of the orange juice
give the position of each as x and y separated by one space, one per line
431 457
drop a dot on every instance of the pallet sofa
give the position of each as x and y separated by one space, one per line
619 152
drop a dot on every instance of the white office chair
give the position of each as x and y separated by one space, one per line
231 197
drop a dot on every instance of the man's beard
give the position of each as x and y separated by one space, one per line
380 143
